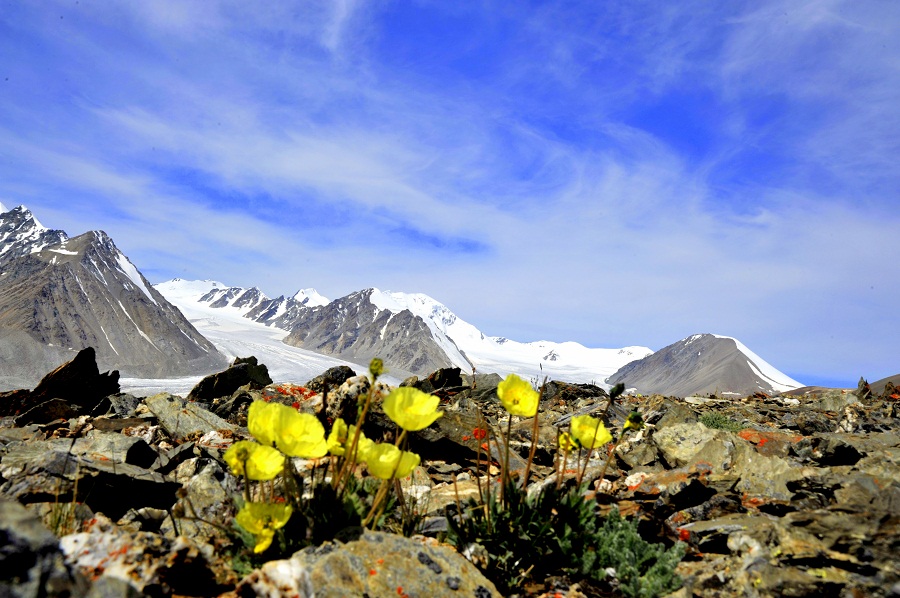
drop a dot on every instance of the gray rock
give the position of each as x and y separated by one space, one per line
244 371
376 564
182 419
207 497
332 378
105 486
149 563
31 563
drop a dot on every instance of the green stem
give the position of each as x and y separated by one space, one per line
534 435
504 472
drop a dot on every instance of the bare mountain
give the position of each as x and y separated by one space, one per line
60 295
702 364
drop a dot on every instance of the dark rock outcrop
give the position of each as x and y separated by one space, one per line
244 371
74 388
31 562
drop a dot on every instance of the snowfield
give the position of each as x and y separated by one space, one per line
466 346
235 336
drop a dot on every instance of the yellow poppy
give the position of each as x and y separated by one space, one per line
590 431
518 397
412 409
386 461
260 462
342 435
294 434
262 519
301 435
337 438
566 444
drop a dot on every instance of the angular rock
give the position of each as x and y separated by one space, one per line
208 493
244 371
149 563
105 486
331 379
31 563
78 384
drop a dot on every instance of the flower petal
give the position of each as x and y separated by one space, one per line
411 409
518 397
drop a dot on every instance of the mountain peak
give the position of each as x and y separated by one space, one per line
21 233
701 364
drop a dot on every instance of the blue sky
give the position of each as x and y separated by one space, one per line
614 173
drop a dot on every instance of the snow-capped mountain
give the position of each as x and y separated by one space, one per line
563 361
236 336
702 364
59 295
411 331
21 234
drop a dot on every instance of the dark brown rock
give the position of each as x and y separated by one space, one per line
77 383
244 371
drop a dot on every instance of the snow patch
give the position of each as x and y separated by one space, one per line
132 273
779 381
310 298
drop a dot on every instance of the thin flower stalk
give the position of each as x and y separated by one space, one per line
376 368
534 435
633 422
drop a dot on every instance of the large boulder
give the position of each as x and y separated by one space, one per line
74 388
375 564
244 371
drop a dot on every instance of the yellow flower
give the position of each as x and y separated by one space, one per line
363 445
261 420
301 435
294 434
517 396
262 519
566 444
590 431
634 421
337 438
386 461
261 462
340 438
412 409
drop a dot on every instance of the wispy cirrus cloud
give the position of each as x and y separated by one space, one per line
612 174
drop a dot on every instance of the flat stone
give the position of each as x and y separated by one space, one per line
375 564
182 419
105 486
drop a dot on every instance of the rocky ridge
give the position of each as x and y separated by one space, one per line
774 495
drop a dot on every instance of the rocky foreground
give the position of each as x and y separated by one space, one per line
107 494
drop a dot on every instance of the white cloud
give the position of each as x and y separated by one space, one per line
269 142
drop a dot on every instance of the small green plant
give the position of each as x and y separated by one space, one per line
720 422
516 537
560 531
